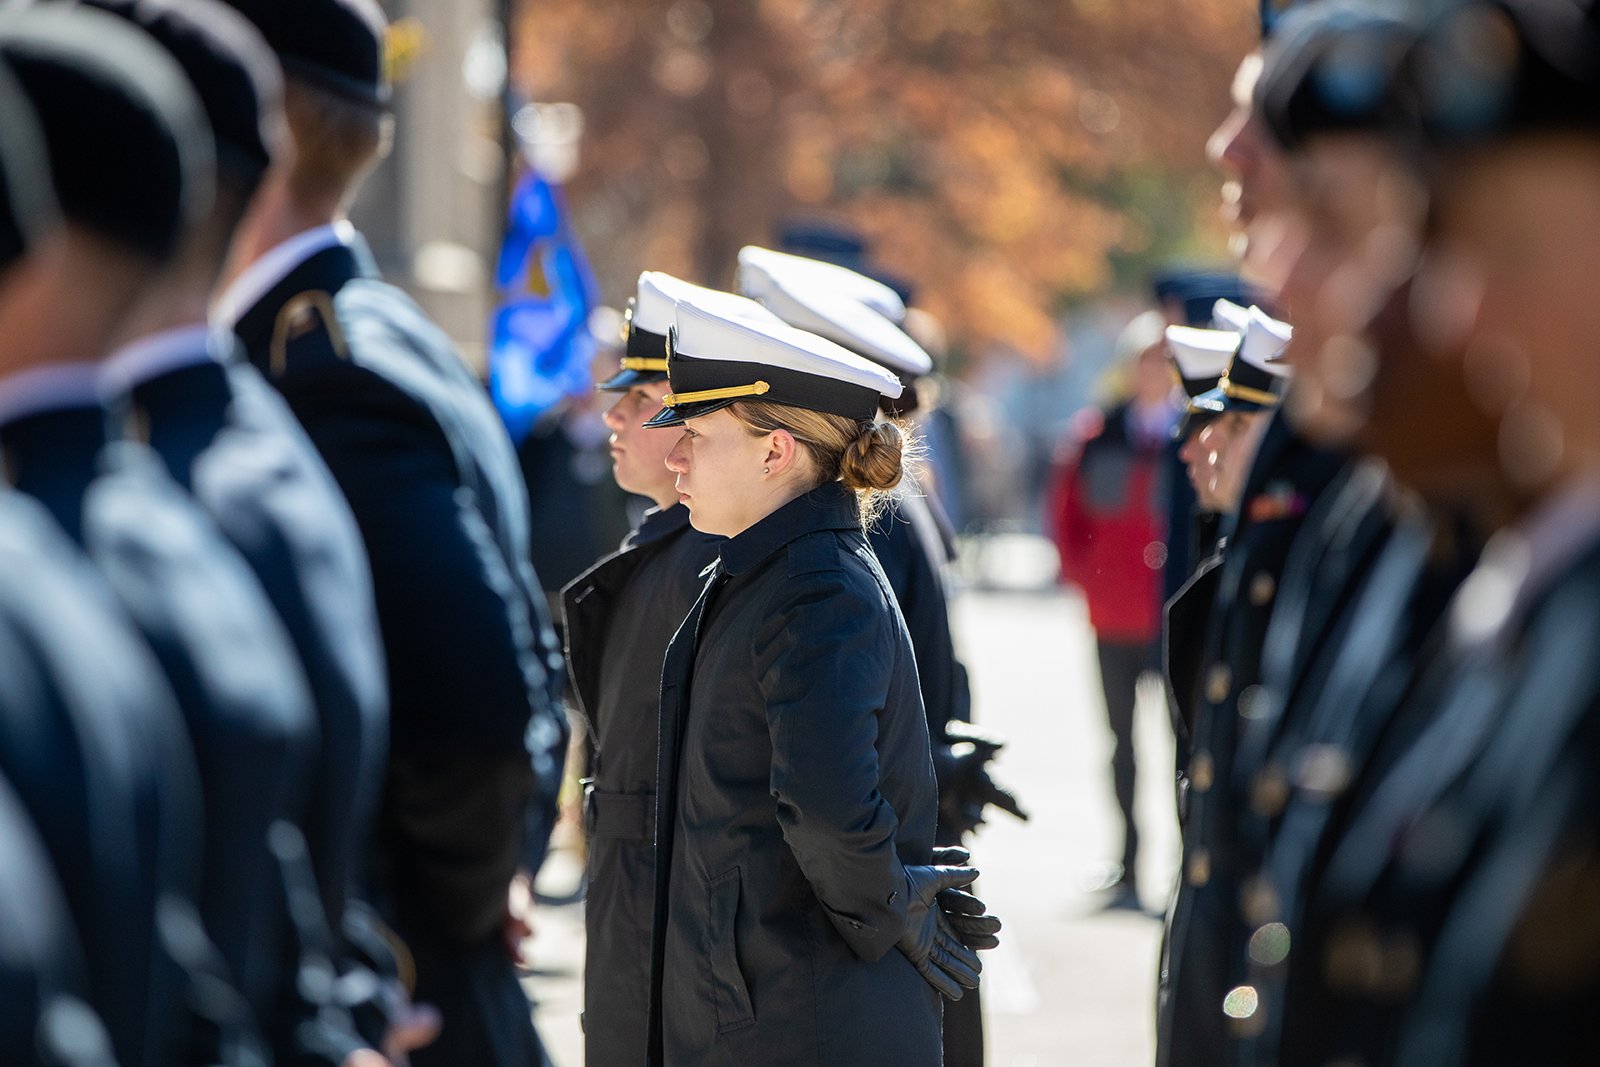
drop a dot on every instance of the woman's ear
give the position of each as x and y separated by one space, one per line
782 449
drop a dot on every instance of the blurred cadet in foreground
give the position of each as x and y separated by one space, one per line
229 440
428 470
76 691
108 96
1463 826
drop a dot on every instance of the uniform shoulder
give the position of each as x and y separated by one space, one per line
821 554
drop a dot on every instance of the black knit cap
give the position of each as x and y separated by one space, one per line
1497 68
231 68
336 45
1340 66
129 151
27 208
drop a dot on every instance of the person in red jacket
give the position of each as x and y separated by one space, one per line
1108 512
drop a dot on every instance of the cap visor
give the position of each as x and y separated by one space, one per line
1191 422
624 380
679 414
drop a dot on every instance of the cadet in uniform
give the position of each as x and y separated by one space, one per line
865 317
1199 359
796 913
619 616
81 706
431 476
1459 852
228 439
1286 475
239 687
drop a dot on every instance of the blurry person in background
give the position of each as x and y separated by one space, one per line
1108 518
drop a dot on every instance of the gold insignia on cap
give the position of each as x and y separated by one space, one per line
627 319
672 400
640 363
1247 394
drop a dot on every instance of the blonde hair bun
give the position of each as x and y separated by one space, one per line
875 459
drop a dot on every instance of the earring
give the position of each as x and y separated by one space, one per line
766 470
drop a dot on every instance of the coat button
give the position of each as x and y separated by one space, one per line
1202 771
1258 901
1262 588
1199 868
1219 679
1270 794
1324 771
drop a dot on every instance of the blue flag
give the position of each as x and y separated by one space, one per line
540 349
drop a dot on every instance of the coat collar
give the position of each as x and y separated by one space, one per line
327 270
658 524
830 506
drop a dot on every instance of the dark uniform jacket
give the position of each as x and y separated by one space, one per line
1204 930
620 615
41 961
1303 790
1469 844
232 668
228 439
796 782
473 667
918 583
93 743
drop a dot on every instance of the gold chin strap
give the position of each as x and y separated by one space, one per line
1245 393
730 393
640 363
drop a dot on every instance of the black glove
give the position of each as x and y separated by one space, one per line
966 914
929 941
965 787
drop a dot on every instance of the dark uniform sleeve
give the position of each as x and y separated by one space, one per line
463 674
823 658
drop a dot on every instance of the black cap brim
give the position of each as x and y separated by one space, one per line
678 414
624 380
1192 422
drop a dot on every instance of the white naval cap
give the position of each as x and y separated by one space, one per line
809 299
756 262
1200 356
649 317
1265 339
1256 377
1226 315
716 359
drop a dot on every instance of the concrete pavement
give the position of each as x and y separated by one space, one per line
1071 985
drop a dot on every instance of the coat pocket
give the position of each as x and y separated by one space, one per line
728 990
